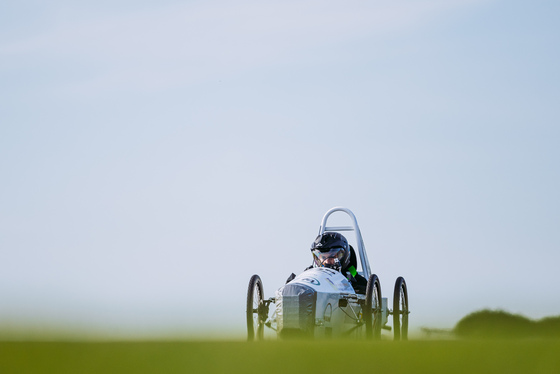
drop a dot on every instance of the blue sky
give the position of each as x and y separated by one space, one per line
156 155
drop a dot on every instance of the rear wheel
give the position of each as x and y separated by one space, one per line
255 309
400 310
372 308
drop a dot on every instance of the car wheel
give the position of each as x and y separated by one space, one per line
372 308
400 310
255 309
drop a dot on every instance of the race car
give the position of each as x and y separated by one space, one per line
322 303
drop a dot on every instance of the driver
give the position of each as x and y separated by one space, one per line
332 250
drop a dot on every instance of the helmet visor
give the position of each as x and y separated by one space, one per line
330 257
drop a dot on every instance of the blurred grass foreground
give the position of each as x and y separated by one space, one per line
484 342
333 356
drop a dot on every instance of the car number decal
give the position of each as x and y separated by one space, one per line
311 280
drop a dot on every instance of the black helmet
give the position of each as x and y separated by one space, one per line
331 250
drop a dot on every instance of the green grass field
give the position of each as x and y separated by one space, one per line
335 356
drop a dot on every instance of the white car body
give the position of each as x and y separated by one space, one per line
320 302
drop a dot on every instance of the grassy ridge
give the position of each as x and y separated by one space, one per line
338 356
500 324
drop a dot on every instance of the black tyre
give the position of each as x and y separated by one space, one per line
255 309
372 308
400 310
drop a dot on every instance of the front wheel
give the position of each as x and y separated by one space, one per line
372 308
255 309
400 310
